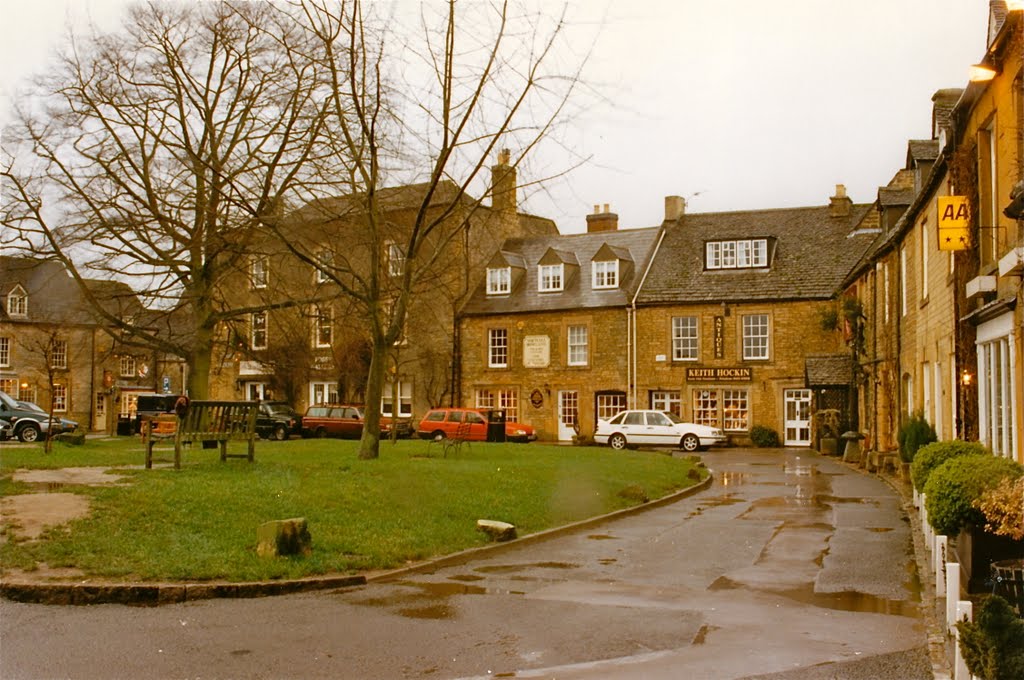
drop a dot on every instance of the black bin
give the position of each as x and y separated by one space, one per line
496 425
125 426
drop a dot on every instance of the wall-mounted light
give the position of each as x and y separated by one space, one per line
981 73
966 378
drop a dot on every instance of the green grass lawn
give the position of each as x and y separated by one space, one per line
411 504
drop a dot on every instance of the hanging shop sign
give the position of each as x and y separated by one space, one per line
954 223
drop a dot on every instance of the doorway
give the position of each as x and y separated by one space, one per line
798 417
568 414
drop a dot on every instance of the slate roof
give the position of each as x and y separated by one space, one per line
812 254
636 243
828 370
922 150
54 297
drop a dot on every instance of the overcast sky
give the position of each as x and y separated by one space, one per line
734 104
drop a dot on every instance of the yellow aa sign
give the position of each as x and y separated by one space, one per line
954 219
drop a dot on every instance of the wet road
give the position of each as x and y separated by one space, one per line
789 566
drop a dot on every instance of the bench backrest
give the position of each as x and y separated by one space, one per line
219 420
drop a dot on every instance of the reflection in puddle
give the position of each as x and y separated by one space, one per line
847 600
466 577
601 537
730 478
429 600
506 568
727 499
879 530
607 560
435 611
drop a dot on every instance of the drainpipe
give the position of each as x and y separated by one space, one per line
631 359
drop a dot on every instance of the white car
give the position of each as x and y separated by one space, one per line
655 428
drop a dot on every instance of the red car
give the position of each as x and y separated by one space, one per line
340 420
470 423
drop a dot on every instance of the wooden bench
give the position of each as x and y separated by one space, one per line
205 421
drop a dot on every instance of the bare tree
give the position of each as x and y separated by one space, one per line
420 111
151 155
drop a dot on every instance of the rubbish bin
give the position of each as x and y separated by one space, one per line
496 425
125 426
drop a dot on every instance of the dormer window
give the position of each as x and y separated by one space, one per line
17 302
551 277
499 281
605 274
739 254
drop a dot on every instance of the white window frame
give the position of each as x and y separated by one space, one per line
667 400
404 399
396 259
610 405
5 352
323 328
17 303
259 271
323 392
258 331
504 398
738 254
325 259
924 260
757 335
60 398
499 281
497 348
550 277
605 274
735 410
903 282
59 353
127 366
682 338
578 345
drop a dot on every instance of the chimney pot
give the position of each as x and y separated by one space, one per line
602 220
503 184
840 204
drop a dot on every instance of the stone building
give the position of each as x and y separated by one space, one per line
312 346
56 352
739 311
545 335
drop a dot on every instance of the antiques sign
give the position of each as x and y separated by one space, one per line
536 351
719 337
740 374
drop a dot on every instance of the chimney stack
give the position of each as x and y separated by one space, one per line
503 184
840 204
602 220
675 207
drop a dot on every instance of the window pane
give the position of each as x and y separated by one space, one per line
610 404
714 256
755 336
734 407
760 253
578 350
684 338
743 253
705 407
497 349
550 277
667 401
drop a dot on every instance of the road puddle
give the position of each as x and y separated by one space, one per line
733 478
601 537
847 600
430 599
509 568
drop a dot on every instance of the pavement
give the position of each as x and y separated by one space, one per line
812 544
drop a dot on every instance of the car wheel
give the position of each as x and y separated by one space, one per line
321 433
437 436
690 443
617 441
29 433
280 433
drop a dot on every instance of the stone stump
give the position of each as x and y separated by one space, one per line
498 531
283 537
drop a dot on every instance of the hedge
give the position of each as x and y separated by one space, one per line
935 454
953 487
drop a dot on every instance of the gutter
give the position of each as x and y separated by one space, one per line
631 358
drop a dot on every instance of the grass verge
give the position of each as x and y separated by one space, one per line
199 523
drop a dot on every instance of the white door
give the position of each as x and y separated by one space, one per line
568 414
798 417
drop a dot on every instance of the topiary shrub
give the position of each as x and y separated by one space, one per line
954 486
993 644
1003 508
914 433
764 437
933 455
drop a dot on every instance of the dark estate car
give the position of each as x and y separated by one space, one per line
28 421
341 420
148 406
5 430
277 420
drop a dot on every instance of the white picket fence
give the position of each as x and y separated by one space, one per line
947 585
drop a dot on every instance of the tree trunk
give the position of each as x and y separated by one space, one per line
369 445
199 366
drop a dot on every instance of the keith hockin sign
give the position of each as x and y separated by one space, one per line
739 374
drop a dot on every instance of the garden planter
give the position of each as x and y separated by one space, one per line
828 446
